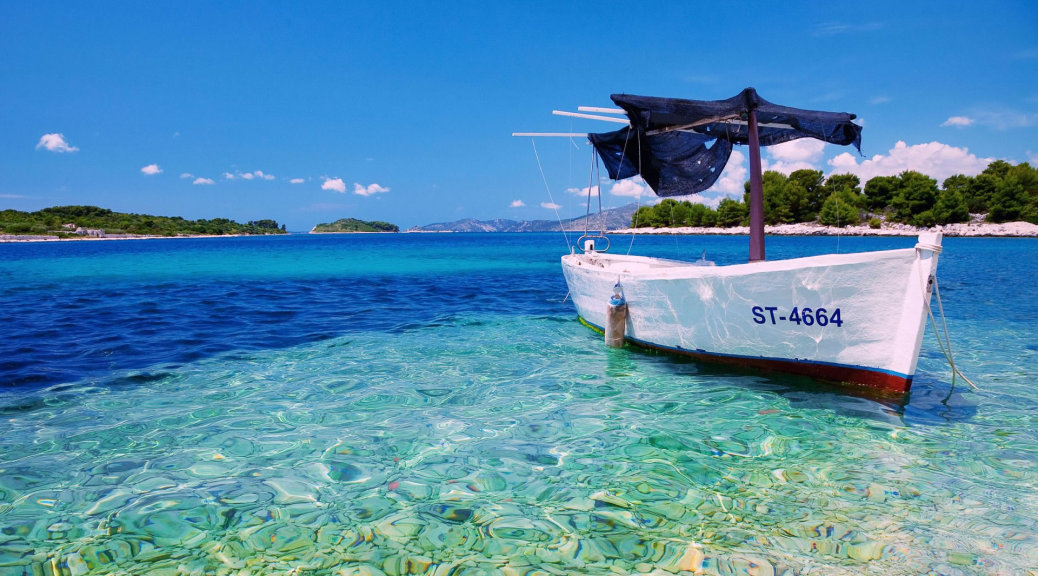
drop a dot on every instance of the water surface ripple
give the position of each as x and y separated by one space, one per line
415 404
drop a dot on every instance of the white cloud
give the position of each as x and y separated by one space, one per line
1032 158
248 175
11 196
995 117
583 192
632 187
369 190
788 157
936 160
958 121
732 178
550 205
801 150
730 184
151 169
186 175
296 181
517 204
334 184
199 181
1005 119
841 28
55 143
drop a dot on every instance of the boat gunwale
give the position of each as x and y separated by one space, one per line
673 269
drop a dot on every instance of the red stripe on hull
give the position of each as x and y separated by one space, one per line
880 381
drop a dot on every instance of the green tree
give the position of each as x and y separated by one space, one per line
812 183
797 200
680 214
777 209
879 192
849 182
709 219
648 216
52 220
916 194
1028 178
848 186
662 212
958 183
776 201
700 215
730 213
642 217
1009 201
950 207
979 192
998 169
840 209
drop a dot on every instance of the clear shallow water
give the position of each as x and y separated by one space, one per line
428 404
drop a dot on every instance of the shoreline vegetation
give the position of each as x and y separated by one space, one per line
973 229
1000 201
94 223
352 225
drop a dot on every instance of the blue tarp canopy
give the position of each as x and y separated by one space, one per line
680 147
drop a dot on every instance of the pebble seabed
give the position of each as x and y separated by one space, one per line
171 419
334 458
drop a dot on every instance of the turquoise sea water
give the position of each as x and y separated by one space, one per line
428 404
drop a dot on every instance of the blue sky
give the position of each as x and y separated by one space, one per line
403 111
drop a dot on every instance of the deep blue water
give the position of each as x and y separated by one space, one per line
73 310
84 309
403 387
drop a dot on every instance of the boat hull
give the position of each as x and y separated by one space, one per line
853 318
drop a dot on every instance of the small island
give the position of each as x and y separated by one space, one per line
354 225
92 222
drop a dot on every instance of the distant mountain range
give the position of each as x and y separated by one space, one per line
612 219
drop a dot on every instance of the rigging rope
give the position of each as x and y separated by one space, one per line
590 184
839 229
548 188
633 230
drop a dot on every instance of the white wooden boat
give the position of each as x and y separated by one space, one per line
856 318
851 318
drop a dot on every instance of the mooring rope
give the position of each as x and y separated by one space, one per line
945 346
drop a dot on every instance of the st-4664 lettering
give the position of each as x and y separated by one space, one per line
800 316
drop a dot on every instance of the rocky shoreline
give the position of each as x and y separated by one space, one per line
52 238
969 229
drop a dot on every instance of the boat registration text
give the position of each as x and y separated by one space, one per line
805 316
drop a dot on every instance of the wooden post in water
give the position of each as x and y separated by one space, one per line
756 193
616 318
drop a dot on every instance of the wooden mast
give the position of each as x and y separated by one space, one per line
756 192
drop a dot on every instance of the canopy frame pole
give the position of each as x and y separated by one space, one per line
591 117
756 193
552 134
